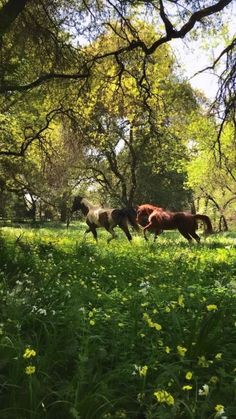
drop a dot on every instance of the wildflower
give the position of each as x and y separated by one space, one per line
92 322
156 326
42 311
204 391
140 397
181 301
181 350
202 362
30 369
213 379
188 375
218 356
29 353
164 397
212 307
187 388
167 309
150 323
167 349
220 408
143 371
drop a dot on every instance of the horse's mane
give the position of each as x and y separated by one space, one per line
149 207
89 204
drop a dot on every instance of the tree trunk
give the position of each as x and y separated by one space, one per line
223 225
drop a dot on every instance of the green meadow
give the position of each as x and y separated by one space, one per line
98 331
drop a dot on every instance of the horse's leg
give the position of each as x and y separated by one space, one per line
195 236
112 233
157 233
146 228
91 228
185 234
86 232
94 232
124 227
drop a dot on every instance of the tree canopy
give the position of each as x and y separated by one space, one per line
91 90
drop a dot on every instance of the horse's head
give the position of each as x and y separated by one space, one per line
77 203
142 216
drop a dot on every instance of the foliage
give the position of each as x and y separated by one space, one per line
116 331
211 171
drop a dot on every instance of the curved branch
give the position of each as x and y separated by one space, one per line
46 77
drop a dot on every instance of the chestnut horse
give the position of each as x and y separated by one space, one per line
157 219
109 218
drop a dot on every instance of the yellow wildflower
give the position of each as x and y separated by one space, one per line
164 397
30 369
156 326
181 350
213 379
167 349
143 371
150 323
92 322
187 388
181 301
202 362
220 408
29 353
212 307
188 375
167 309
218 356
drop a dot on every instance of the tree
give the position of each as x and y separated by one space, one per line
212 182
51 56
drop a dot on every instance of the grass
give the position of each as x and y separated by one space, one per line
120 331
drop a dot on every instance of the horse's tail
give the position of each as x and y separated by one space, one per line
207 222
131 215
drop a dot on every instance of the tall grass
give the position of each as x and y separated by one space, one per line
119 331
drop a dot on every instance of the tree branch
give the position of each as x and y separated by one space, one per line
8 14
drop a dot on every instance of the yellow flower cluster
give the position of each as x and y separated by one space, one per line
213 379
202 362
181 301
143 371
189 375
187 388
181 350
150 323
220 408
29 353
212 307
164 397
30 369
